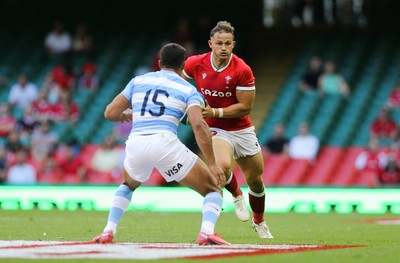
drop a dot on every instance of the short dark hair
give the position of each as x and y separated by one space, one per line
172 55
223 27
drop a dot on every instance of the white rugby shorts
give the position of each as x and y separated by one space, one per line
244 142
163 151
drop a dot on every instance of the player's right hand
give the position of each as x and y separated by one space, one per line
126 115
219 175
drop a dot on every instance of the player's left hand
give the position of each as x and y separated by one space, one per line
207 112
219 174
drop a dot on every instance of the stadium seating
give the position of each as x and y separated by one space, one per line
345 173
368 61
366 179
295 173
273 168
328 159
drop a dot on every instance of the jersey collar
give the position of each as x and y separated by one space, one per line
168 72
219 69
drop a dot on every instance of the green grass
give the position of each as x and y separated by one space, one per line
380 242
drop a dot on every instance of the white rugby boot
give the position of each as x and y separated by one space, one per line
262 229
240 208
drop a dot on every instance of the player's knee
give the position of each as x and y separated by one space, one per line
257 188
128 181
255 181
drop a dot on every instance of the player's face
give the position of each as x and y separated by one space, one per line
222 45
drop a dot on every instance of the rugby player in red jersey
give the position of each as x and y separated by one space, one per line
228 84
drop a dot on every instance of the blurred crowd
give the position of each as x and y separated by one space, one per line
31 151
299 13
380 159
378 162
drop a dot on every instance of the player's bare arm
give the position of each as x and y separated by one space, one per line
204 140
241 108
119 110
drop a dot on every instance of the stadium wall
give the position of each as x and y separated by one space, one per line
279 200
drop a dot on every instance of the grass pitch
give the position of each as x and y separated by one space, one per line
380 243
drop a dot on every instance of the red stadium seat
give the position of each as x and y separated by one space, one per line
326 163
346 171
366 179
295 172
274 165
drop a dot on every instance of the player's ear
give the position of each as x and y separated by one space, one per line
210 44
159 63
233 43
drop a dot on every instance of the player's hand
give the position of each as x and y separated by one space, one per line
126 115
219 174
207 112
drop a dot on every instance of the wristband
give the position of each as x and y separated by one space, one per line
213 112
221 112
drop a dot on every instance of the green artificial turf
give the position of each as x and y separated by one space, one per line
380 243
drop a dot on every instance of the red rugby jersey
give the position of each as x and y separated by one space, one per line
219 86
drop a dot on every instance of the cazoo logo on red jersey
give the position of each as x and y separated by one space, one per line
215 93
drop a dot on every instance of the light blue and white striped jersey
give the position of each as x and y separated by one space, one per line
159 101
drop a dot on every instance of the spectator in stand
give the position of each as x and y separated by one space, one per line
88 79
28 122
304 145
25 126
70 76
64 76
51 89
3 164
107 158
371 161
303 13
278 144
384 127
394 151
43 141
394 97
82 42
66 109
309 81
42 108
49 171
22 172
390 176
331 82
58 41
23 93
7 120
14 143
72 167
